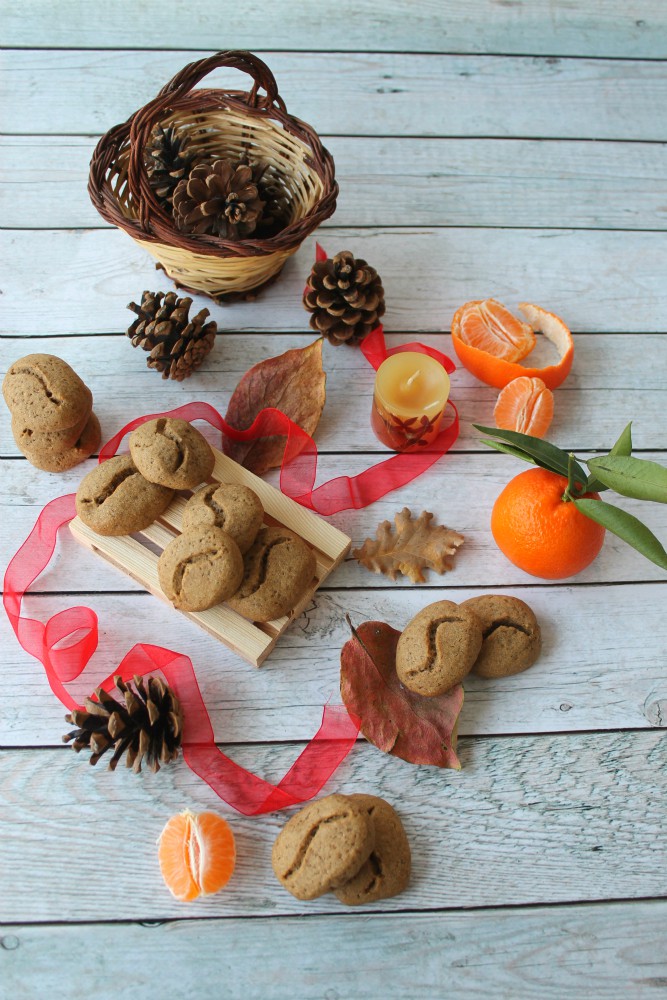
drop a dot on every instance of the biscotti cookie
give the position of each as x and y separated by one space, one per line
200 568
50 460
387 870
234 508
277 569
172 453
115 499
322 846
512 635
26 437
45 394
438 648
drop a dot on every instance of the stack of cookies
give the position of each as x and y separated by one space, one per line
352 845
52 412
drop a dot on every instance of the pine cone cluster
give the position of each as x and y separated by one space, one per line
345 297
207 195
146 725
177 345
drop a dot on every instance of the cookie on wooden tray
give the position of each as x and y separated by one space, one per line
54 460
512 636
235 508
115 499
322 846
171 452
45 394
200 568
386 872
438 648
277 569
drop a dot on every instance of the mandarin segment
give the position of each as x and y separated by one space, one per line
197 854
525 405
492 328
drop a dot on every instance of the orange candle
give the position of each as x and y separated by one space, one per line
411 392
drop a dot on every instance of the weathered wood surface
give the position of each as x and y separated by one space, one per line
541 819
604 947
396 94
605 389
460 490
59 281
520 183
590 676
615 28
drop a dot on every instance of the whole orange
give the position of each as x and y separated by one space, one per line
539 531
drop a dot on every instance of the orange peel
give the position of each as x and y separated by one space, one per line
499 372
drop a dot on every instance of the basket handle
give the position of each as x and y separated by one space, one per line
179 87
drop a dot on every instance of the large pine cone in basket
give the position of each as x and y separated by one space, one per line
218 199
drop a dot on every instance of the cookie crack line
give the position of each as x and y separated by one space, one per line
376 870
170 436
179 572
40 378
209 502
262 569
505 623
303 849
111 487
430 641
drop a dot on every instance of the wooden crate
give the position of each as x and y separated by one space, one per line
137 556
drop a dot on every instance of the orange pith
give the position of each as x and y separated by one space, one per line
490 327
197 854
525 405
498 371
541 533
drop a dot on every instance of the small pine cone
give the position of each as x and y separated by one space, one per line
176 344
345 297
146 724
218 199
169 158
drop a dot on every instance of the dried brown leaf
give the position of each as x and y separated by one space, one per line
407 725
293 383
409 546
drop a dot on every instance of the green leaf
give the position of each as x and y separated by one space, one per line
631 477
622 447
543 453
515 452
626 526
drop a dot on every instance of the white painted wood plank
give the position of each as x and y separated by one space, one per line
460 490
603 665
69 282
600 952
545 819
618 28
393 182
608 385
57 92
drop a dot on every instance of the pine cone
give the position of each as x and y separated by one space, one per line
345 297
219 199
177 344
170 159
149 724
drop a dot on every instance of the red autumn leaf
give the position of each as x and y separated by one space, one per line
417 729
294 384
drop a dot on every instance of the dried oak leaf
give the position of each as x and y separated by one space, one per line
410 547
293 383
399 722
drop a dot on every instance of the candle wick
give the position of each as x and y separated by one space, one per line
409 381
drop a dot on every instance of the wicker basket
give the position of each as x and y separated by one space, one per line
233 124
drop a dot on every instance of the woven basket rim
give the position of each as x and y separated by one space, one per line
153 223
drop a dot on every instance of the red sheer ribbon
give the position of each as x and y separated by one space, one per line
66 643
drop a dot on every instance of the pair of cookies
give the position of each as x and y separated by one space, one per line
352 845
492 636
52 412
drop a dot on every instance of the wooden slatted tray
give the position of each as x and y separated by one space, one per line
137 556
